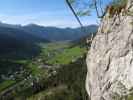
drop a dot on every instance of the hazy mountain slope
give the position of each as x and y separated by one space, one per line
83 40
14 40
59 34
54 33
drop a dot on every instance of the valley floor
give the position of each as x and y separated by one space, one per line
57 73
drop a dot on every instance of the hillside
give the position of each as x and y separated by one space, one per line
54 69
54 33
16 47
68 84
15 41
59 34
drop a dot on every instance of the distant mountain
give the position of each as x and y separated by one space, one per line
59 34
10 25
14 41
83 40
54 33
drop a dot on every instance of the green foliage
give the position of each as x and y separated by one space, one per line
73 75
6 84
68 84
130 97
119 2
85 7
71 1
82 7
56 93
84 13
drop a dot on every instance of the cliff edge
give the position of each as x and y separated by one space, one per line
110 59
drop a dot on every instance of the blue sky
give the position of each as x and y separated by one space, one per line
42 12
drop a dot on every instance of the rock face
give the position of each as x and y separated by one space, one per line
110 59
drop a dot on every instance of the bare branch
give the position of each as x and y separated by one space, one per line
100 3
73 11
95 4
97 11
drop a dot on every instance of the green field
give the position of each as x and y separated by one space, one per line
35 71
67 56
61 53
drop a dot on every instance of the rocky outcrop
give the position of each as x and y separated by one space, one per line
110 59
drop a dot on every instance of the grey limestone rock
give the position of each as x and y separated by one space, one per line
110 59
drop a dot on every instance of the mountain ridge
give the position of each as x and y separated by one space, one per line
54 33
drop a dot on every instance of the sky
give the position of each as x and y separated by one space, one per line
43 12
